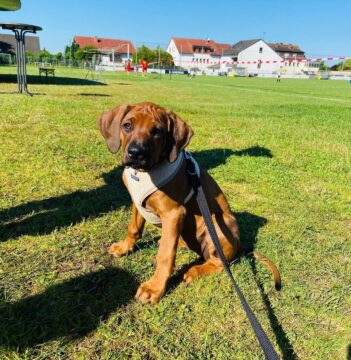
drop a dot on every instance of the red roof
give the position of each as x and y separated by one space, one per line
191 46
280 47
105 44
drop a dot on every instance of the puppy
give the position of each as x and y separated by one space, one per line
153 140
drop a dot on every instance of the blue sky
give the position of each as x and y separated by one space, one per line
320 28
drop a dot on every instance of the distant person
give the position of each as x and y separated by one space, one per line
279 76
144 67
128 67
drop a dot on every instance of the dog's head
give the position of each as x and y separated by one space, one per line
147 133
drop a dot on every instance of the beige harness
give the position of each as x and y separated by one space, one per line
142 184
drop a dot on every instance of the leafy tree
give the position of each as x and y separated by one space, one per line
143 53
344 65
85 53
44 54
70 50
322 66
30 56
165 58
59 55
6 48
152 55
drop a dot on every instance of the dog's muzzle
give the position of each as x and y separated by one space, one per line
138 156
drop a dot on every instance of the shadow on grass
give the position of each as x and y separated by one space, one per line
212 158
71 309
96 95
35 79
44 216
249 226
348 352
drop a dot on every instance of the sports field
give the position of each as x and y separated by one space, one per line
280 152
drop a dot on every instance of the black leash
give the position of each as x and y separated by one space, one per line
267 347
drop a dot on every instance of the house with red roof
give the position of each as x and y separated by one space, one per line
113 50
195 53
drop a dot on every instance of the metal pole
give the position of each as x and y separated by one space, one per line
159 60
18 66
24 70
24 73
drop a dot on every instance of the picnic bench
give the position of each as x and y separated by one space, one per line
47 71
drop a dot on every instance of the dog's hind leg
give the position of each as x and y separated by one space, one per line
228 235
135 231
208 267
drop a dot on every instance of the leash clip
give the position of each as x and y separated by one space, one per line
191 168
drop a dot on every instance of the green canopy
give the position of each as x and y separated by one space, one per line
10 5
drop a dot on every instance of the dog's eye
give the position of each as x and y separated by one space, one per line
156 132
127 127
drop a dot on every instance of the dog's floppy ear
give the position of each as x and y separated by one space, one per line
110 123
178 135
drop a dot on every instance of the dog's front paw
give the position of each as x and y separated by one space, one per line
119 249
148 292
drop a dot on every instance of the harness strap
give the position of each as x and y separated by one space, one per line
266 345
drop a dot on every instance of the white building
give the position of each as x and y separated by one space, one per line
195 53
253 57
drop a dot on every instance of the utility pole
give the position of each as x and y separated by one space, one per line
159 55
181 54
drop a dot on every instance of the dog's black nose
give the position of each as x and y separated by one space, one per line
136 152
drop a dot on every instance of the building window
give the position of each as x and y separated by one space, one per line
261 49
259 65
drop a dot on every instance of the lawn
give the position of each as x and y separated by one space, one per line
280 152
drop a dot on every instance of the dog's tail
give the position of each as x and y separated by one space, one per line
275 272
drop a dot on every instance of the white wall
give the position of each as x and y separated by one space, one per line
192 60
261 52
172 49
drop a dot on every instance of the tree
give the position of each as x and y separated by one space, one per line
44 54
322 66
6 48
344 65
151 56
165 58
70 50
59 55
85 53
143 53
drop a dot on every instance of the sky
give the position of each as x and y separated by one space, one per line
321 28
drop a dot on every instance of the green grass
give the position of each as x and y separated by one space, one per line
280 152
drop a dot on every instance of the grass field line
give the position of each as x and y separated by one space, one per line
279 93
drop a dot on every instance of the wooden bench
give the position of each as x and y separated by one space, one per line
47 71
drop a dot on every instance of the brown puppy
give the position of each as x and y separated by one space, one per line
150 136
